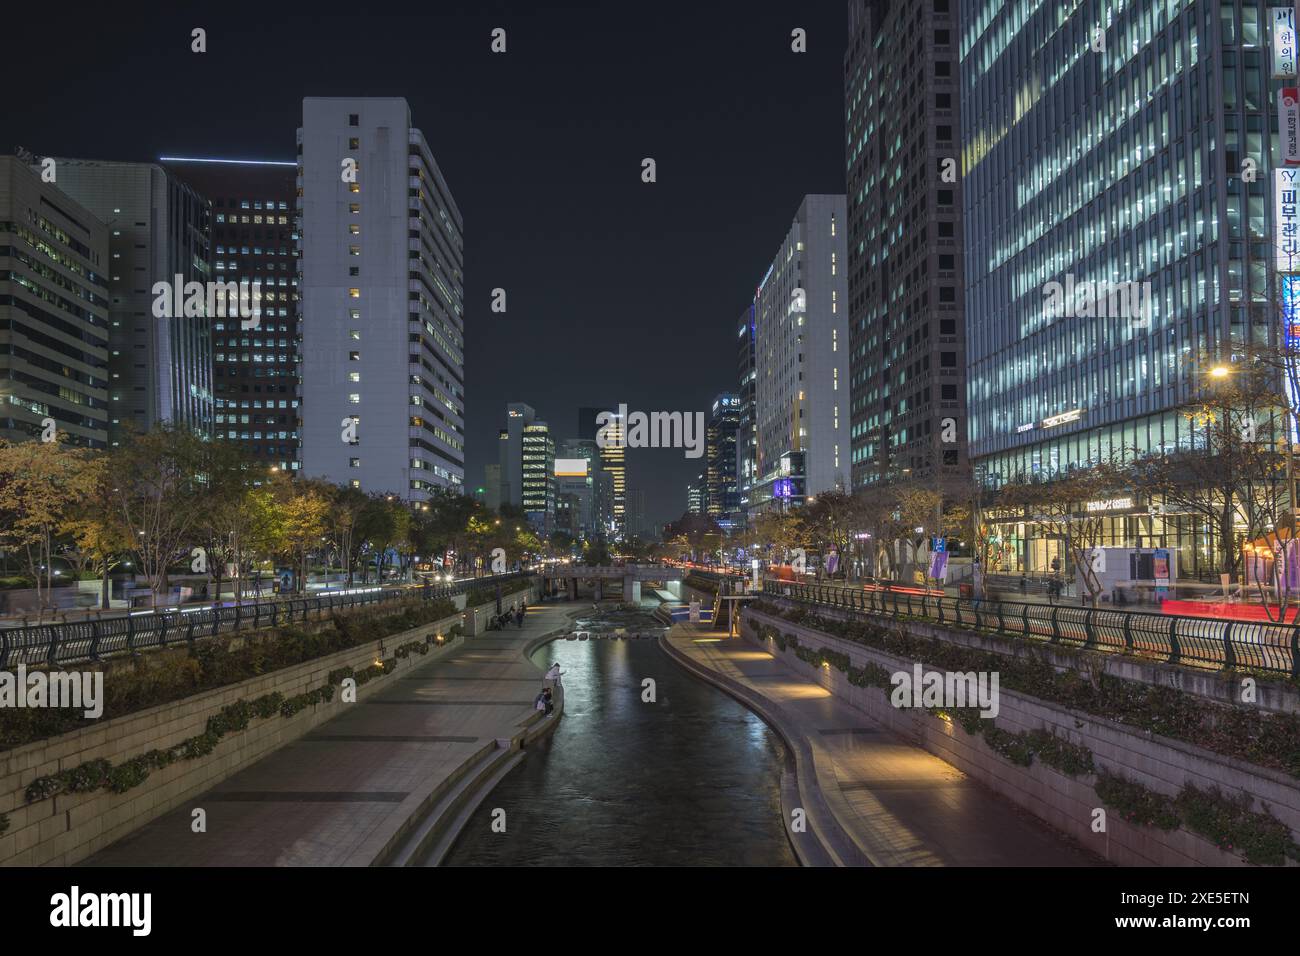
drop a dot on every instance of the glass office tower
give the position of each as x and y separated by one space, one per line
1105 142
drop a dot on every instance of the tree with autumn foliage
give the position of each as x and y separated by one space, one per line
40 484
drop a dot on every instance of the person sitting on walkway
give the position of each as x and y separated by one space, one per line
549 699
540 702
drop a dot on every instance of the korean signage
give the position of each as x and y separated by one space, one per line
1286 220
1288 124
1284 42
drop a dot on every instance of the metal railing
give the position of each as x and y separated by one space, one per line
97 638
1202 641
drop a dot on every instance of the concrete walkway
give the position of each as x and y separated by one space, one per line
892 803
345 794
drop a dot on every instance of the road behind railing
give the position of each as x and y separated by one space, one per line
1202 641
98 638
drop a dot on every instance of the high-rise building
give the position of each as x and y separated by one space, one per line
537 474
906 321
746 437
159 366
801 393
636 514
612 457
723 498
510 452
255 360
697 493
1120 166
54 312
492 486
578 473
382 252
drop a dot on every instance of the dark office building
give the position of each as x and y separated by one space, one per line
254 240
746 440
723 495
903 158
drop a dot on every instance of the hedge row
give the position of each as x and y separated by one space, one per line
1229 822
1268 740
102 774
160 677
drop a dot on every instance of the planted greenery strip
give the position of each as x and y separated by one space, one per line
164 677
102 774
1269 740
1257 836
486 595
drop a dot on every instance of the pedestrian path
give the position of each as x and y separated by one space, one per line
341 795
898 804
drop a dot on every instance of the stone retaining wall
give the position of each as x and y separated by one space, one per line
71 826
1066 803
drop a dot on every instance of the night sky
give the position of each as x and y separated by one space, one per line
618 291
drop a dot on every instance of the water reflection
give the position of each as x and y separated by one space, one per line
692 779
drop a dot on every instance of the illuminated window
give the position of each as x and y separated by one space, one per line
354 293
354 208
354 398
354 229
354 356
354 462
354 250
354 376
354 334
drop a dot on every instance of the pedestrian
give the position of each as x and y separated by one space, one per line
1024 584
519 618
540 702
553 675
549 699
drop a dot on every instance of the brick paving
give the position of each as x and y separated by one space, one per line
333 796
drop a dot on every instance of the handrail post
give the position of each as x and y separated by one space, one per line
1024 618
1089 635
1175 651
54 644
94 639
1128 632
1229 655
1056 625
1295 650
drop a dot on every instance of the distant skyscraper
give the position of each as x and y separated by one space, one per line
746 439
612 457
636 513
255 240
697 492
492 486
720 455
382 301
54 312
510 452
160 369
906 319
801 361
537 471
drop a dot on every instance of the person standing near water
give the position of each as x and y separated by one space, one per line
553 676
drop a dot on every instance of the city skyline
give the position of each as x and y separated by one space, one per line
536 197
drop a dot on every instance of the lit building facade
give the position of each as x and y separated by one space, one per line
159 367
720 437
1109 156
801 348
382 286
906 317
254 240
54 312
746 440
537 476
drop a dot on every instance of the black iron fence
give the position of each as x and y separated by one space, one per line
96 638
1205 641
